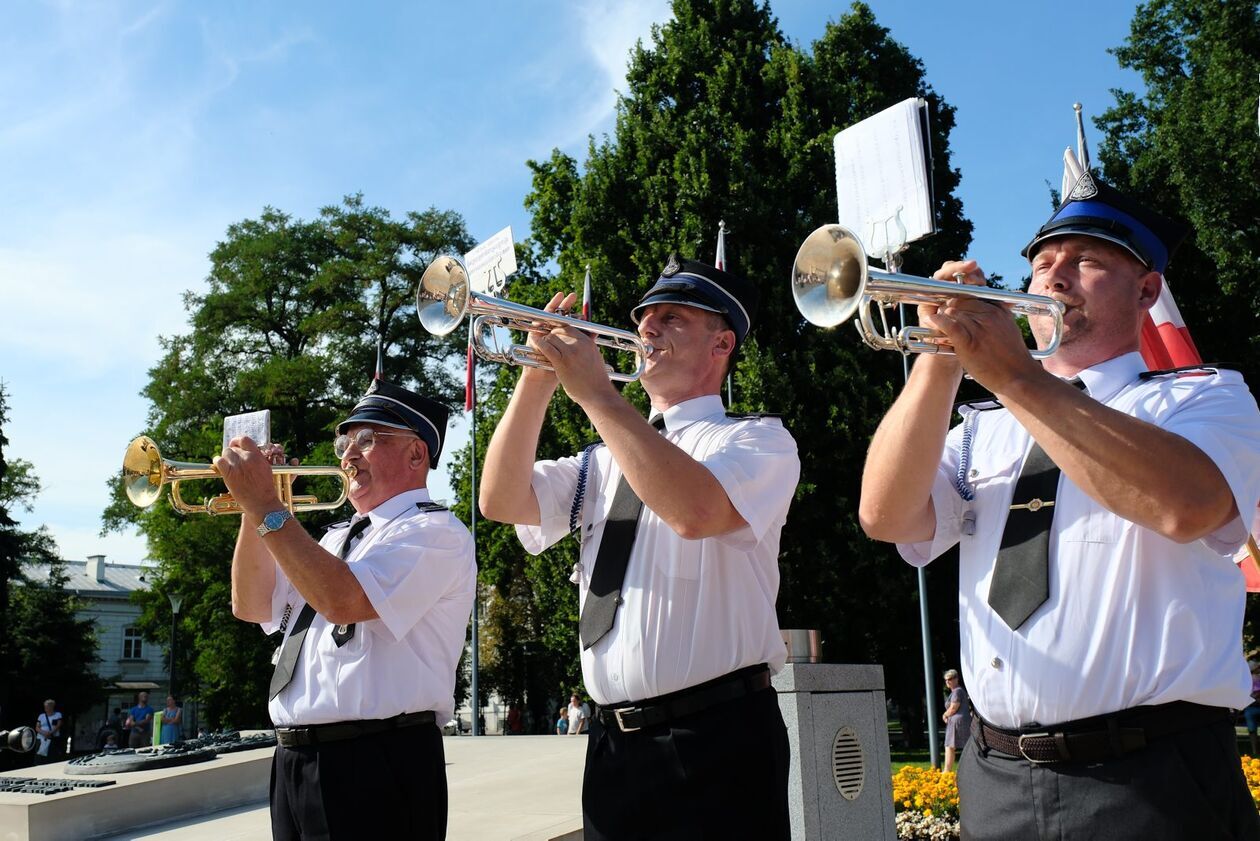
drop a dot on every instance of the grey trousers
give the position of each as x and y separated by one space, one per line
1185 786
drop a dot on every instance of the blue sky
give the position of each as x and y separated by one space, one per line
133 134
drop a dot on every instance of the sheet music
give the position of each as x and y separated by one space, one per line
256 425
884 177
491 262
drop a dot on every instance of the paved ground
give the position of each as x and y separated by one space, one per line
502 788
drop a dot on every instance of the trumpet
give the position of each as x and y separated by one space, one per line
145 472
831 282
443 298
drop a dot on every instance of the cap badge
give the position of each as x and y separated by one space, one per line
672 267
1084 188
374 387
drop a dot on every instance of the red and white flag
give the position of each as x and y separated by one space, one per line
586 295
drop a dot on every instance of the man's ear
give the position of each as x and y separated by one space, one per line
420 454
1148 289
725 342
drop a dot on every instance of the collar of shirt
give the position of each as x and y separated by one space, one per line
689 411
394 506
1105 380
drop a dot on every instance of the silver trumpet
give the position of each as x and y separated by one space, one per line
831 281
444 298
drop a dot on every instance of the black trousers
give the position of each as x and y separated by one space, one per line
1185 786
387 785
718 774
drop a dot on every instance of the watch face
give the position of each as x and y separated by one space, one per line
275 520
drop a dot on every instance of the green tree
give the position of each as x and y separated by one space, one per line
724 119
45 643
1188 146
290 322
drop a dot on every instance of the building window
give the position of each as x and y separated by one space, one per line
132 644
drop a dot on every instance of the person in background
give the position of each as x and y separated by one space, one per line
562 722
957 718
576 712
172 721
140 722
47 731
1251 713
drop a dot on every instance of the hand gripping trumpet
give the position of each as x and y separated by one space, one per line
145 472
831 282
444 298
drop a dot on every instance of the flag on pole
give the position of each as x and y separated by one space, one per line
470 379
586 294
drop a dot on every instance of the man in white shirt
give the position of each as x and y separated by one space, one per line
679 565
373 618
1096 519
577 715
47 730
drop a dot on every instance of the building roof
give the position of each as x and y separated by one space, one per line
121 580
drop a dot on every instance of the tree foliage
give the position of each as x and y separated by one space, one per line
723 119
1188 146
44 643
289 322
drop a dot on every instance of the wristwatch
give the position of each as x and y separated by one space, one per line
274 521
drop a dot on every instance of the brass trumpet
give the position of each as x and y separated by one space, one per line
831 282
145 472
443 298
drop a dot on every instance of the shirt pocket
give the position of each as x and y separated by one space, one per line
1078 519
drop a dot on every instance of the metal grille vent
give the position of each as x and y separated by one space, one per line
848 763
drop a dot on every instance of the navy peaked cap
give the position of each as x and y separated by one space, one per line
394 406
700 285
1094 209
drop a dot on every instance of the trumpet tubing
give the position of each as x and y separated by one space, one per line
145 473
831 283
444 298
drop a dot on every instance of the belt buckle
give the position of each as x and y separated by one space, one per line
621 725
1024 753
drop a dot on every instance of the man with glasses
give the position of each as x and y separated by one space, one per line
373 619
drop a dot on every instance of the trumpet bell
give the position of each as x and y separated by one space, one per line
829 276
442 298
142 472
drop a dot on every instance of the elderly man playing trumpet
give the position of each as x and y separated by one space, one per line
1096 509
373 619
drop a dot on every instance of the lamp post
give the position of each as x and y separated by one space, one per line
176 601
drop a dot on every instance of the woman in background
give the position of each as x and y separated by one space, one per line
957 719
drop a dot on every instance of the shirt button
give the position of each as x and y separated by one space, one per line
614 677
973 474
996 662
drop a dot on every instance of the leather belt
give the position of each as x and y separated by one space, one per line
318 734
1099 738
647 713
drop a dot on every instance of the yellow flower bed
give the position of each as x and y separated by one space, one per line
1251 770
929 790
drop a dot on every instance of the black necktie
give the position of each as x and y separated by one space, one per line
292 645
609 574
1021 575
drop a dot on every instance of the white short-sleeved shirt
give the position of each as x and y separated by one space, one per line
418 571
1132 618
693 610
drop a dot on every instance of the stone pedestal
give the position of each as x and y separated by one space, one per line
840 786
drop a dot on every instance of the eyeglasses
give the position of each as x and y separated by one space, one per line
364 439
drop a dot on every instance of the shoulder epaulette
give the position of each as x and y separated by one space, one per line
753 415
1187 370
431 507
980 404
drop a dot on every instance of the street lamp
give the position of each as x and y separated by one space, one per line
176 601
